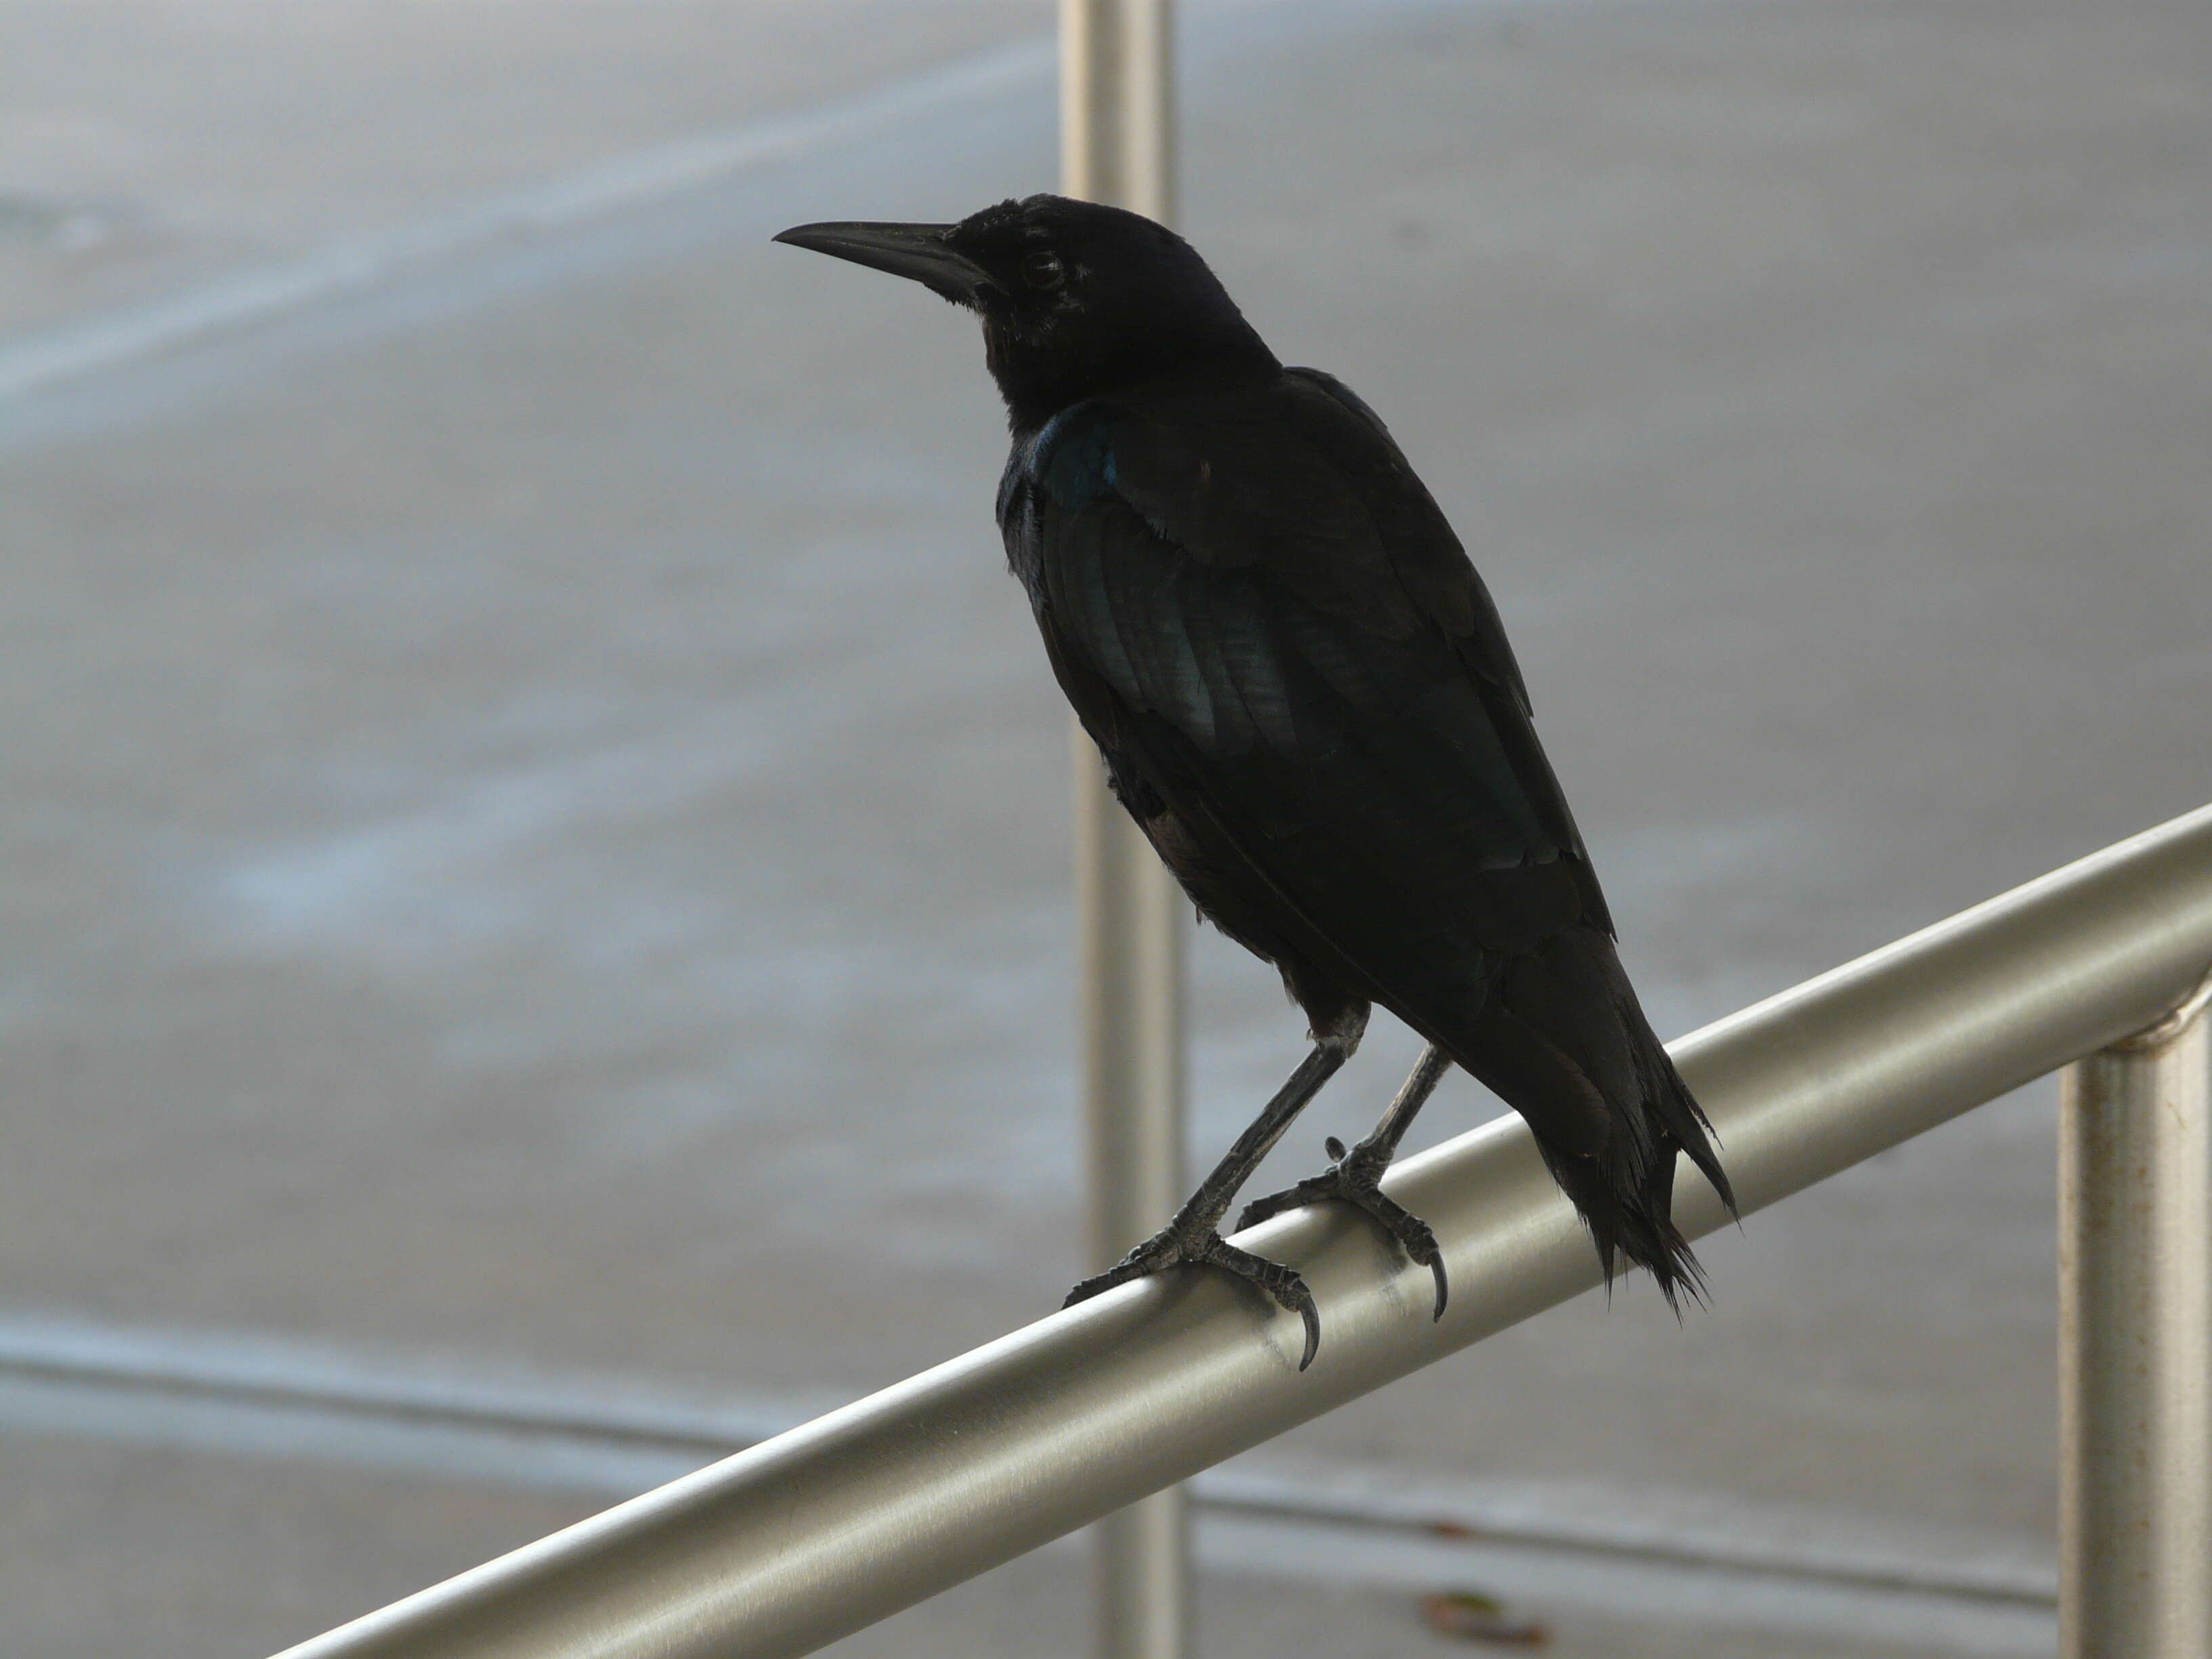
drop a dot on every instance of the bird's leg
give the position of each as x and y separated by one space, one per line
1355 1175
1195 1234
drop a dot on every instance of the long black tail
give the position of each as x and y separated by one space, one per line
1562 1039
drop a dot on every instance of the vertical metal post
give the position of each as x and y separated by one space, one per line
1117 141
2135 1332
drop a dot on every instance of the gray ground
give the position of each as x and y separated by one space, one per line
534 823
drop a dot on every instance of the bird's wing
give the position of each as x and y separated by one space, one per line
1436 575
1252 599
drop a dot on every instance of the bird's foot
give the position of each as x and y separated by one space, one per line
1355 1178
1178 1246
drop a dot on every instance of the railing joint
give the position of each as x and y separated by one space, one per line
2162 1031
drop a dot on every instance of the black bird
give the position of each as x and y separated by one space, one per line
1305 699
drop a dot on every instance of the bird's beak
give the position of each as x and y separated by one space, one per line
925 252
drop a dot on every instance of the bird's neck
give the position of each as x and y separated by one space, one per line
1037 386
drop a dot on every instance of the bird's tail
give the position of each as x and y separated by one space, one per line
1626 1192
1563 1040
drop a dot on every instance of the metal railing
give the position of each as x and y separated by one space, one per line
2134 1321
842 1521
1117 145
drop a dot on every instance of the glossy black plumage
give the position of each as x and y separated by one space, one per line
1305 694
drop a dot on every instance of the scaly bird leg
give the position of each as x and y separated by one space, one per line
1355 1177
1194 1236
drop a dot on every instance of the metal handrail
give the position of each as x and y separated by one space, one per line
847 1519
2134 1343
1117 145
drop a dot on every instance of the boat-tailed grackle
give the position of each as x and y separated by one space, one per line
1305 697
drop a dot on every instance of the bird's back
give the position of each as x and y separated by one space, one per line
1306 696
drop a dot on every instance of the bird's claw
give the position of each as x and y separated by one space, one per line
1356 1180
1208 1249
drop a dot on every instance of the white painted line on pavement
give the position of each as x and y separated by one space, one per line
357 265
1698 1560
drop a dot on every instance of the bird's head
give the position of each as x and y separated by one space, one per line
1075 297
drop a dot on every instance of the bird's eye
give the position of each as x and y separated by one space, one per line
1043 271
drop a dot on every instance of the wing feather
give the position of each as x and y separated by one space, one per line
1296 651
